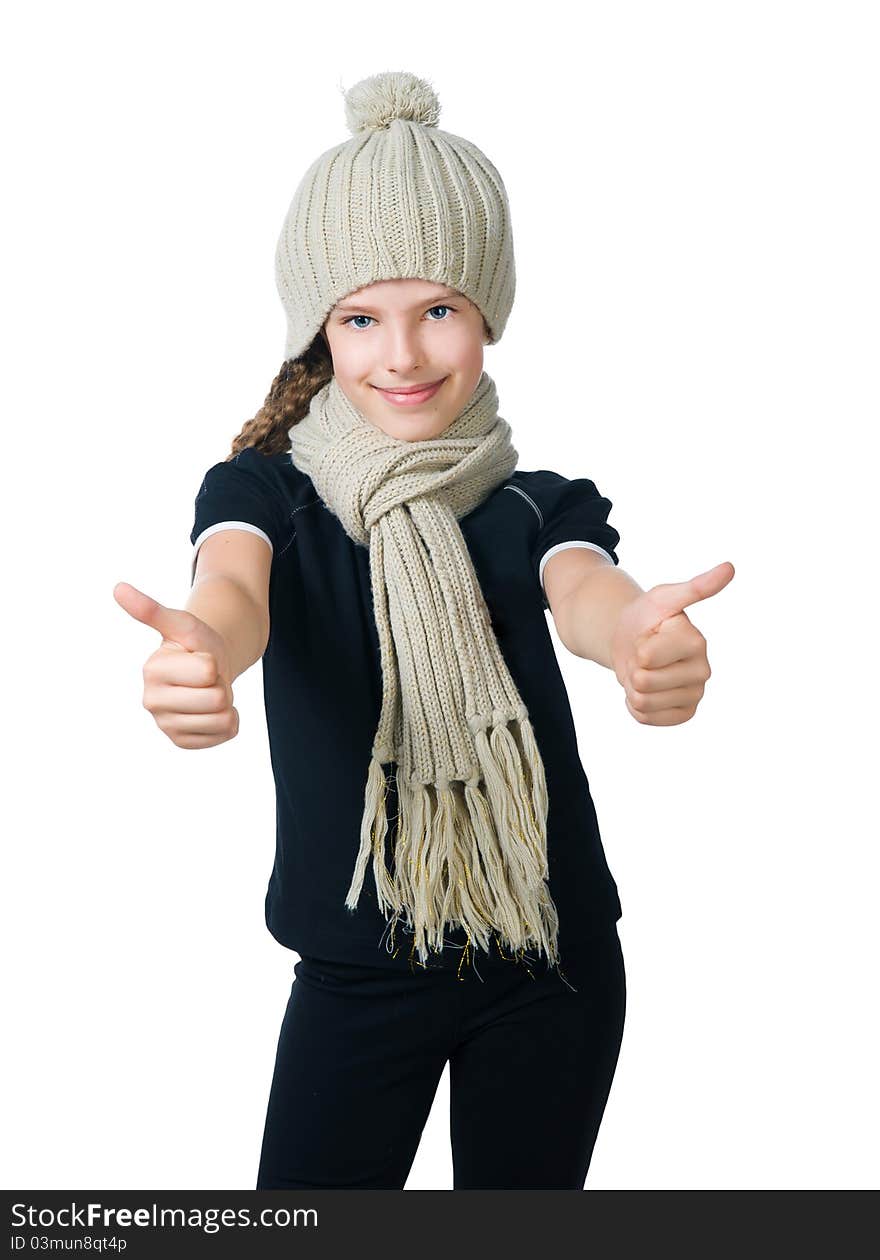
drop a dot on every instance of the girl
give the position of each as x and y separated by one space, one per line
438 863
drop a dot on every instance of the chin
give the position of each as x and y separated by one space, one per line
409 435
414 430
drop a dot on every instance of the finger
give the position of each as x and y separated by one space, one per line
175 665
656 702
190 699
200 741
675 639
191 740
669 717
687 673
210 724
672 597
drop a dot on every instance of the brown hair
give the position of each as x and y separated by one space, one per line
287 402
289 397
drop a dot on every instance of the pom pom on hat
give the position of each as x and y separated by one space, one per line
376 102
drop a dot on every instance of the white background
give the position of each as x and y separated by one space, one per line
694 190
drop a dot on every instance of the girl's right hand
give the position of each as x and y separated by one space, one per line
186 680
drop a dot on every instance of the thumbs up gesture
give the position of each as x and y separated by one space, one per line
186 679
659 655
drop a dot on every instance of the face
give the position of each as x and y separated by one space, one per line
398 333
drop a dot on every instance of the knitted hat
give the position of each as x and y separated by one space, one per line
401 199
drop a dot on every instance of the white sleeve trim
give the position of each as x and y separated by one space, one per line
562 547
214 529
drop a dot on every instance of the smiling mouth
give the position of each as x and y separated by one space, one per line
409 389
412 395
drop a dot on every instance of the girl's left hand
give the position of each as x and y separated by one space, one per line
659 655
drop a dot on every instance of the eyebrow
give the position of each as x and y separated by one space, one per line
361 306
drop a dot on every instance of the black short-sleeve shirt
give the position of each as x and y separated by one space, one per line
322 686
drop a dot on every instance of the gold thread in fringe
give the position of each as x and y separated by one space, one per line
464 955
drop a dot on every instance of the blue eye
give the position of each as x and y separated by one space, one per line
441 306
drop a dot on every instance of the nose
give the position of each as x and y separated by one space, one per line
403 350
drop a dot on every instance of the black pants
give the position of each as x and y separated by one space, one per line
362 1050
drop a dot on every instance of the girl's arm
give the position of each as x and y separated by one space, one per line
586 593
230 593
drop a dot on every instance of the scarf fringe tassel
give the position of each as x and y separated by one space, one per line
469 854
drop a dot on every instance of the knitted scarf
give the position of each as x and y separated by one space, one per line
471 841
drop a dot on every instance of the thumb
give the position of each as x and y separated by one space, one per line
673 597
174 624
